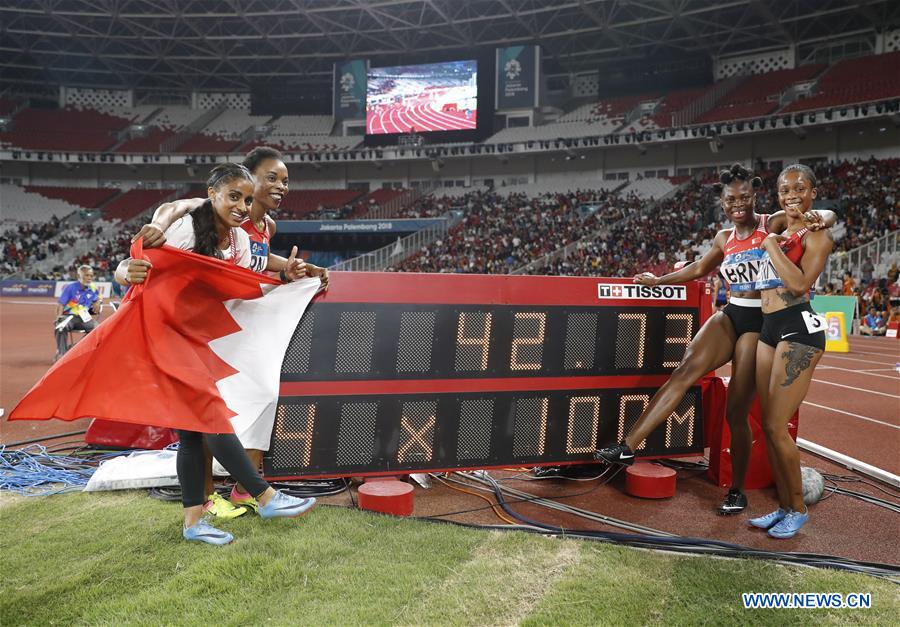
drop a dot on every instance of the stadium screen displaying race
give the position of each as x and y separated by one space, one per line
422 98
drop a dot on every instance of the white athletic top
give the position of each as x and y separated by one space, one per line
181 235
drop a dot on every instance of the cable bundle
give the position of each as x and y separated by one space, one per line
32 471
648 538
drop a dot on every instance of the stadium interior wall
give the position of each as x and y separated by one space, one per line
865 139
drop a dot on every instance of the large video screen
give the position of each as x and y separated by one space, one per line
422 98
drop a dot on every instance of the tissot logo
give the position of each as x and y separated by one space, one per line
641 292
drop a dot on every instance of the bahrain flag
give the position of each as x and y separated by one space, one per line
197 345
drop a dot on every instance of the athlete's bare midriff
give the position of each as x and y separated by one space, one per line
781 298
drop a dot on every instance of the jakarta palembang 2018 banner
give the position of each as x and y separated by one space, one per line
518 77
350 90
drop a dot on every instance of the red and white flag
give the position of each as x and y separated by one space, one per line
199 343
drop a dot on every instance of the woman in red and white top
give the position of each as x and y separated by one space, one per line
791 342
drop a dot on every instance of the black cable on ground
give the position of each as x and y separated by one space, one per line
46 437
874 569
531 499
706 546
303 489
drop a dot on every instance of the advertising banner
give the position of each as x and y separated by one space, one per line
357 226
350 90
16 287
518 77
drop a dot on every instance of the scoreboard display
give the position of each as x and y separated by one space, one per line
392 373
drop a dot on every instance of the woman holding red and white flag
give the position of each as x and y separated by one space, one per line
174 354
214 230
271 185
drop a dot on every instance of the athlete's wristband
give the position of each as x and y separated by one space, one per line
284 277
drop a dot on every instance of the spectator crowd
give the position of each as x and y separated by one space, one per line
581 232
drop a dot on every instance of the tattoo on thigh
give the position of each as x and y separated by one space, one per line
798 357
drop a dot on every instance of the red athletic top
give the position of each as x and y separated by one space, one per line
259 245
740 266
793 249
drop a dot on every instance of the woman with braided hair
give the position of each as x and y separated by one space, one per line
728 335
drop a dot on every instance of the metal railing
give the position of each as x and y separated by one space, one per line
396 253
852 260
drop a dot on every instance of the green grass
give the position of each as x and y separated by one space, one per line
119 559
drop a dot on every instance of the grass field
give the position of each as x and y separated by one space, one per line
119 559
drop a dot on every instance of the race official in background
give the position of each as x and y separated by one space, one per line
78 303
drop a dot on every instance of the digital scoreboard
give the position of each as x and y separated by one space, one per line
391 373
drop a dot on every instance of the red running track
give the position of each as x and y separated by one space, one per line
853 406
421 116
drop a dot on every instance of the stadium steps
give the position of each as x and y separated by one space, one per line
188 132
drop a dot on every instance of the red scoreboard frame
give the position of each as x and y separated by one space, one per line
389 373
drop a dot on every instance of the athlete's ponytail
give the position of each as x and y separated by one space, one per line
737 172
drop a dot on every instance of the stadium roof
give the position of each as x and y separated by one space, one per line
232 44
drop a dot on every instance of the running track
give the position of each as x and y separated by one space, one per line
421 116
853 406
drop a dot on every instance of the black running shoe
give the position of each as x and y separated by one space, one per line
619 454
734 503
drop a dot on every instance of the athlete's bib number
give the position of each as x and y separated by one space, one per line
814 323
259 256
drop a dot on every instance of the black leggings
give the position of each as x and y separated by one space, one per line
228 450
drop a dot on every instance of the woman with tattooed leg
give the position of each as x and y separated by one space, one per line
791 342
729 335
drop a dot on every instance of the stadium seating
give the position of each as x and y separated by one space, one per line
673 103
134 202
301 202
201 143
148 144
502 232
759 94
63 129
7 106
561 182
851 81
291 125
381 196
20 205
606 109
87 197
648 188
175 117
232 123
